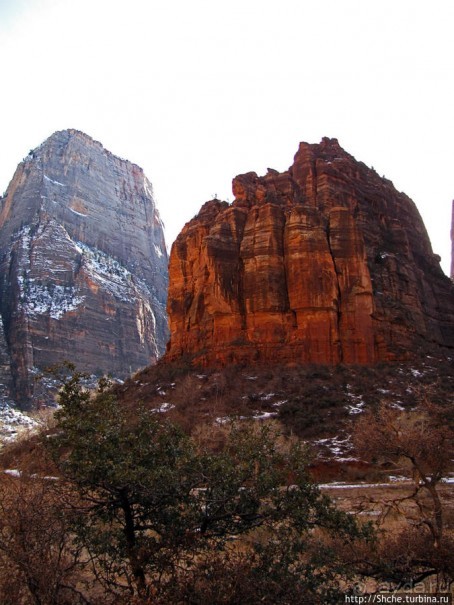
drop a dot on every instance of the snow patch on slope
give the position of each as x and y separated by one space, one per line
36 297
120 283
51 299
49 180
111 275
159 252
47 297
357 402
337 447
78 213
13 422
106 271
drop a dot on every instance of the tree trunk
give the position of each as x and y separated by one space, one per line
438 515
130 534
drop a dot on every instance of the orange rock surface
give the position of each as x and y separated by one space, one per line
324 263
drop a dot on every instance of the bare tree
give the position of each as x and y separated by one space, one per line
420 440
39 564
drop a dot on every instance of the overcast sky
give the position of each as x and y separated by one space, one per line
197 91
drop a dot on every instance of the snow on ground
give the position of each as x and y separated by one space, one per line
356 409
162 409
394 481
13 472
357 402
257 415
13 422
342 485
264 415
397 406
337 446
267 396
277 404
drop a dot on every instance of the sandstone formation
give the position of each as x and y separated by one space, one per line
83 264
324 263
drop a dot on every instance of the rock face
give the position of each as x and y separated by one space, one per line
324 263
83 264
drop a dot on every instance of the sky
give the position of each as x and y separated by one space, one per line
198 91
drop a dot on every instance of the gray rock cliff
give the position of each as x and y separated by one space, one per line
83 264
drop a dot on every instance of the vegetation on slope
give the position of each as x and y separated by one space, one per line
127 500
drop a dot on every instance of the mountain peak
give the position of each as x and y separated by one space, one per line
77 139
63 137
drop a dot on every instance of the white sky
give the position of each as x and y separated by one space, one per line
197 91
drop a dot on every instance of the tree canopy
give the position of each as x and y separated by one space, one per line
161 515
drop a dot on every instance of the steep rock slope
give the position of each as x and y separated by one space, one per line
83 263
324 263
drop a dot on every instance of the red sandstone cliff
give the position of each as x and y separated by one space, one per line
324 263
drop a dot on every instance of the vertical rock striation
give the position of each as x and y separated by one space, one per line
83 263
324 263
